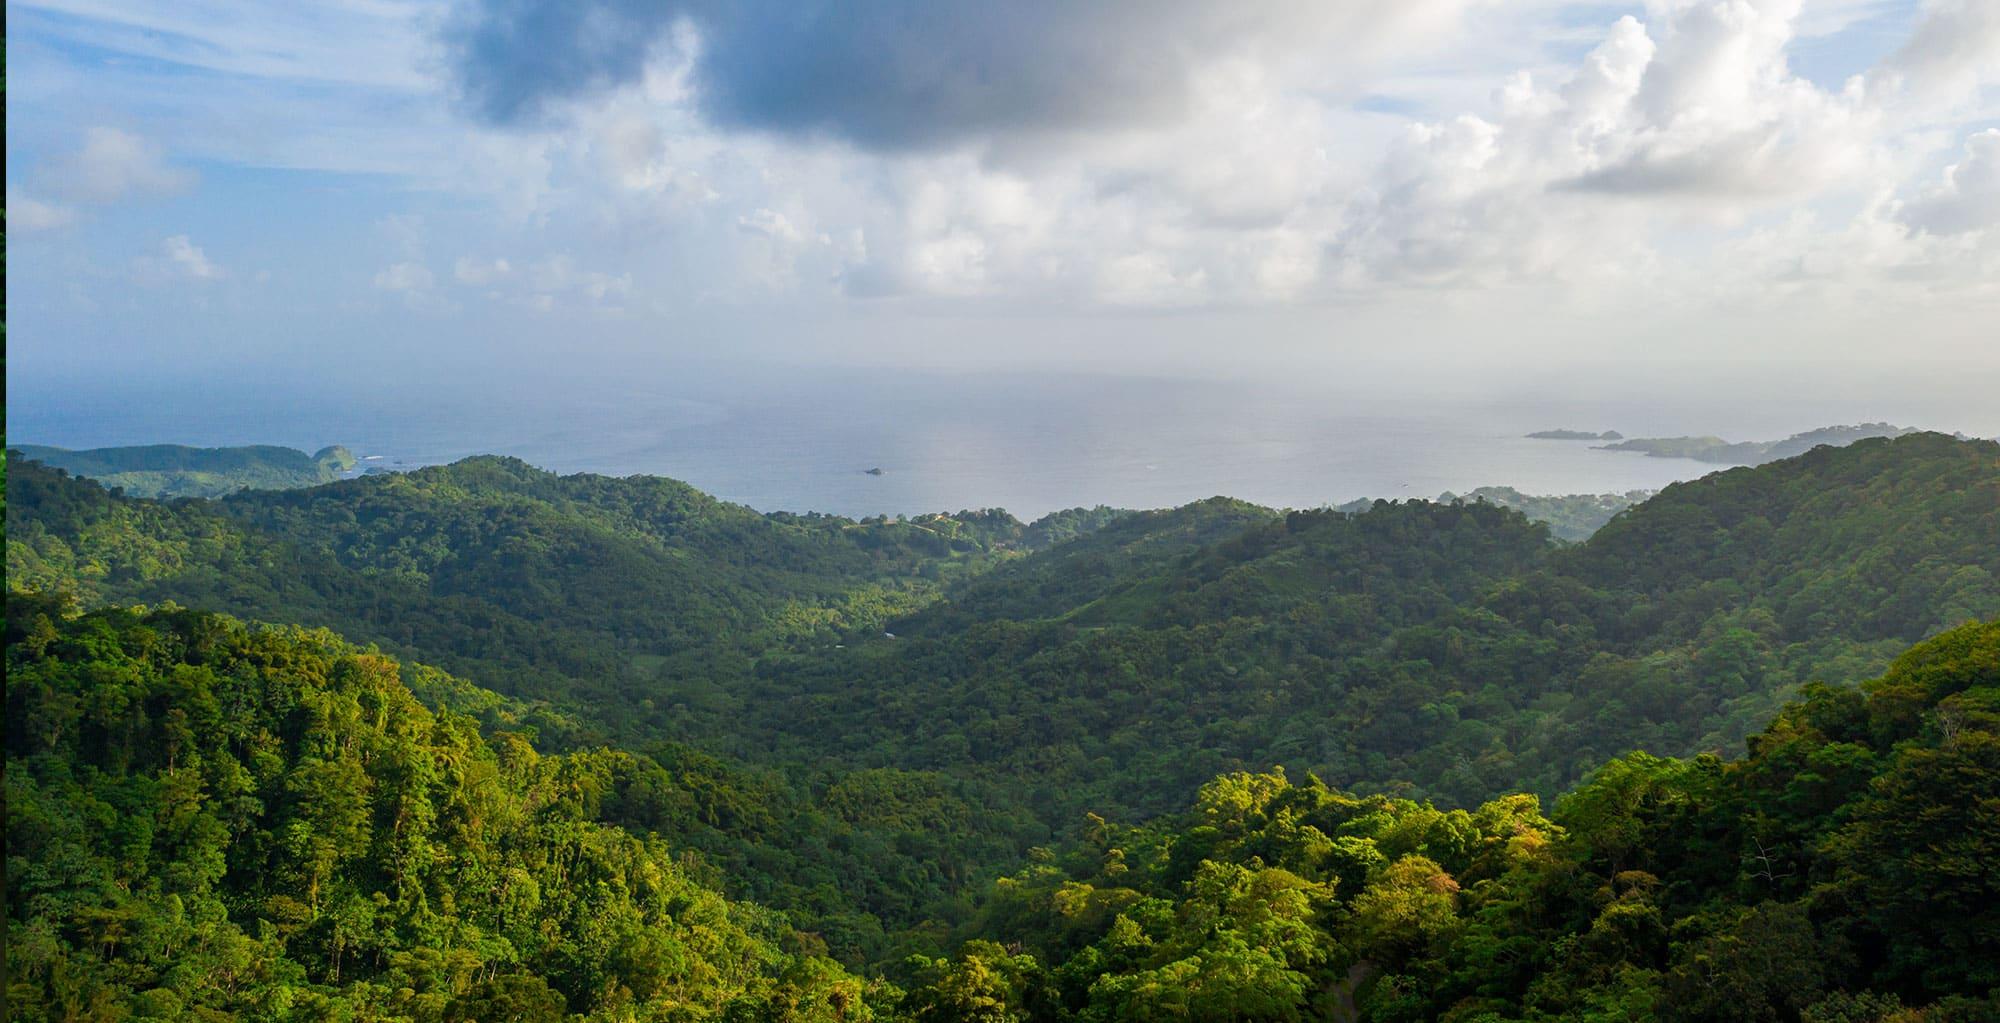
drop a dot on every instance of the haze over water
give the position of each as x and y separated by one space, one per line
802 441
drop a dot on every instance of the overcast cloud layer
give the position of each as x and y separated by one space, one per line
1223 182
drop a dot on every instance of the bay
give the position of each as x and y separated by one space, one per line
804 441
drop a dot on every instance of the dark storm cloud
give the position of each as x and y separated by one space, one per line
514 57
888 74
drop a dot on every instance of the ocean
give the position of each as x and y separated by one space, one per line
805 441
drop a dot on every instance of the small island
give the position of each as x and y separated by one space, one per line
1575 435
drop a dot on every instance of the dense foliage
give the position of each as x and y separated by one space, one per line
579 586
1445 651
1843 871
858 725
206 821
581 593
171 470
1570 517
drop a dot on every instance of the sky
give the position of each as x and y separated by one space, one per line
1443 193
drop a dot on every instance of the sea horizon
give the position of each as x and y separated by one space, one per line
806 442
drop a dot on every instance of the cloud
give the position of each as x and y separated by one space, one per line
1954 50
930 157
1717 112
1690 123
1209 155
915 74
1252 196
1968 198
558 276
178 260
643 158
770 224
480 273
27 213
113 165
372 44
407 277
189 258
541 284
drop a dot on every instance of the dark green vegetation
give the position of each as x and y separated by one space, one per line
590 594
1441 651
717 692
1722 452
212 822
171 470
1569 517
534 583
1843 871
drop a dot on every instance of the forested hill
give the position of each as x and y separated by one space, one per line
212 822
1884 538
860 781
208 822
1843 872
1441 650
172 470
535 583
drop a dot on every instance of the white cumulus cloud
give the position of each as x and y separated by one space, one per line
1968 199
178 260
113 165
481 272
414 278
28 213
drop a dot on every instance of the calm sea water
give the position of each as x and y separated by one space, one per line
804 441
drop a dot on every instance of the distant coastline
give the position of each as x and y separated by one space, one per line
1718 451
1575 435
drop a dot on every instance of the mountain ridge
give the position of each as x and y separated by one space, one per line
174 470
724 689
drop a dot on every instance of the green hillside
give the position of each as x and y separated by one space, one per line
1439 650
581 587
1570 516
1885 538
580 595
211 821
172 470
1447 651
206 821
1843 871
858 724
